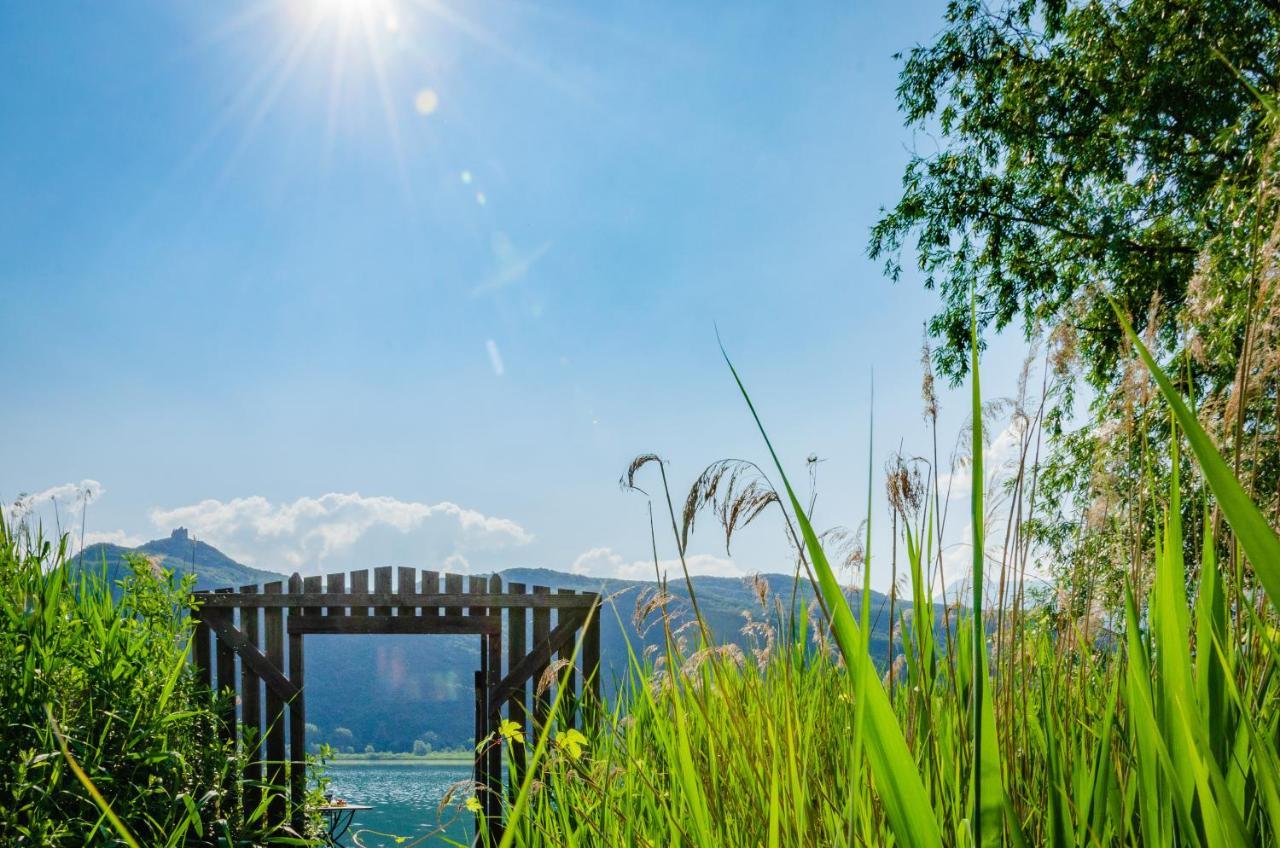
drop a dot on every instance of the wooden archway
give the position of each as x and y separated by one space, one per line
251 641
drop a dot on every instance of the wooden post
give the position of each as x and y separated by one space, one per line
569 701
591 657
493 647
273 624
297 720
225 659
251 708
541 630
517 706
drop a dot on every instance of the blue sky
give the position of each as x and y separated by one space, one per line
360 282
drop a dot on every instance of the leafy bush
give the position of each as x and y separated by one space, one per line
109 666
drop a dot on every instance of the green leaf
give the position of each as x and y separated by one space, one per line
1253 532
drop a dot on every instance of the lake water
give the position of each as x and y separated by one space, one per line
404 796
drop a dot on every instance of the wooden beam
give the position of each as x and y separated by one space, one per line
260 664
477 624
455 599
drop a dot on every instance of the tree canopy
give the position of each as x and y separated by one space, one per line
1079 149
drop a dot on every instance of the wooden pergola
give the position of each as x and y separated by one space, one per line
251 641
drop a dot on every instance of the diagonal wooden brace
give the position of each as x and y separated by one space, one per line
219 620
536 658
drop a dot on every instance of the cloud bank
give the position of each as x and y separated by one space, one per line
339 530
604 562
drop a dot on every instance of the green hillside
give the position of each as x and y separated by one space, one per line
181 553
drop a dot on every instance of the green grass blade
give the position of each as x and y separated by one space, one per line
1255 535
893 767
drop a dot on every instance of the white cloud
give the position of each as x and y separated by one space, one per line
605 562
341 530
54 505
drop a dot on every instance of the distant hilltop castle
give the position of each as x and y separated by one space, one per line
180 534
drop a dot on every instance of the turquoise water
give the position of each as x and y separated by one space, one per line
404 796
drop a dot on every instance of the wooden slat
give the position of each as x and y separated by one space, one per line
359 586
541 630
273 627
493 645
335 588
405 578
382 576
591 657
204 668
481 764
297 719
569 704
430 586
449 598
251 704
225 661
517 704
452 586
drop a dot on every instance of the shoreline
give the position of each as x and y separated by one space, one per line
462 760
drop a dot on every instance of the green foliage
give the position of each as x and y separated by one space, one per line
1160 732
1080 142
111 675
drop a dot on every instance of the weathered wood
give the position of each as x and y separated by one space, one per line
449 598
310 585
297 719
405 584
535 663
225 660
569 677
273 626
382 586
204 668
261 664
430 587
517 704
251 704
493 649
335 590
478 768
541 630
359 586
591 655
453 586
415 608
421 625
